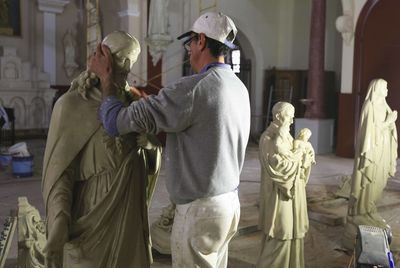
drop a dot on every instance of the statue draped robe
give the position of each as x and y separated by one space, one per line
283 205
375 161
101 183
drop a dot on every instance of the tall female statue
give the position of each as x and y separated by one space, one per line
375 156
97 188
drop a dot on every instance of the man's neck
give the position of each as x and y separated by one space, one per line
210 60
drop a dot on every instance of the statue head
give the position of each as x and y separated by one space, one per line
124 49
304 134
283 113
377 89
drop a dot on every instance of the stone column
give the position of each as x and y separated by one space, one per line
50 8
315 92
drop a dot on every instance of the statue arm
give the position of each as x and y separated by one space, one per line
282 167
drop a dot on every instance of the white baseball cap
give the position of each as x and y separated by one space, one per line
215 25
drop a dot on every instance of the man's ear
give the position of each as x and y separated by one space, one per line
202 41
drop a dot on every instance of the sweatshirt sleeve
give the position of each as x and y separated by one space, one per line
108 113
169 111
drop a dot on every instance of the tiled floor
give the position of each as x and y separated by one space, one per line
322 243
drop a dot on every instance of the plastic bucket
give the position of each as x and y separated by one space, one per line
5 160
19 149
22 166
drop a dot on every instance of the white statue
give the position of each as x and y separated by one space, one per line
158 37
93 27
285 170
70 64
158 17
375 156
345 23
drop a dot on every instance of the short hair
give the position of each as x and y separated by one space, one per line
217 48
281 106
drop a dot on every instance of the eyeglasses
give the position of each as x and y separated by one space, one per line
186 44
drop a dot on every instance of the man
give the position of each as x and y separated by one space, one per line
207 120
283 206
97 188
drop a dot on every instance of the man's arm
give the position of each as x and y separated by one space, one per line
169 111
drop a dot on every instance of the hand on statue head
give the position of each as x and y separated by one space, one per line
101 63
57 237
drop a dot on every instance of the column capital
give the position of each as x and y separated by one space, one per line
52 6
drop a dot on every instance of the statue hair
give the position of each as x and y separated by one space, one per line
124 50
281 106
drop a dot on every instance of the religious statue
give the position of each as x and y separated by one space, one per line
70 48
97 188
158 23
285 170
158 37
93 26
302 143
375 156
345 23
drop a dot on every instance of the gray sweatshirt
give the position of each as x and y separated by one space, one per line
207 121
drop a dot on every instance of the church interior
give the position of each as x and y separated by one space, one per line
318 55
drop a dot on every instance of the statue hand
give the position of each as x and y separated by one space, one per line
392 117
57 237
394 113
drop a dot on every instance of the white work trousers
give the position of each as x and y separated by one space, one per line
202 230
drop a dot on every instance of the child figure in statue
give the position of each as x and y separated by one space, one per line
375 156
285 166
301 143
97 188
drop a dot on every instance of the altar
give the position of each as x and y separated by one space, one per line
25 89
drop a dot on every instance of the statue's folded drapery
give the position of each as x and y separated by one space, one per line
376 153
283 204
102 184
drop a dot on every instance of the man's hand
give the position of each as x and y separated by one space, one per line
138 92
101 63
147 141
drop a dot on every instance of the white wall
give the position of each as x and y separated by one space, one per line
273 33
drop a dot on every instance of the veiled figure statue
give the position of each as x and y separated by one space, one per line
375 156
97 188
285 170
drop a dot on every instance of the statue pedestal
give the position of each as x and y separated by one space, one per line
322 133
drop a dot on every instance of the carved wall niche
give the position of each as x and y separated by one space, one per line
25 90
